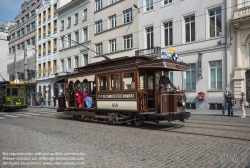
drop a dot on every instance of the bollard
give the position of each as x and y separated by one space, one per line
223 110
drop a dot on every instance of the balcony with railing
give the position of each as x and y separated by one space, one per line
242 11
155 51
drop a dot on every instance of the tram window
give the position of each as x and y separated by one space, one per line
142 80
150 82
115 82
21 92
8 92
14 92
102 81
129 81
0 91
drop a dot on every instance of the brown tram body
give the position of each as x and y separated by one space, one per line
123 92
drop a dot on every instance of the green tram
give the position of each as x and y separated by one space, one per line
13 95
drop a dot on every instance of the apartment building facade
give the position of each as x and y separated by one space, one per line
240 35
199 31
115 25
4 49
22 34
47 51
74 21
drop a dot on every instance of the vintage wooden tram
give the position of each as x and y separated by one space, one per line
125 90
12 95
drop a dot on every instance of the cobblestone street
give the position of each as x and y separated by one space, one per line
202 141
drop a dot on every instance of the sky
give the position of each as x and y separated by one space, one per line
9 9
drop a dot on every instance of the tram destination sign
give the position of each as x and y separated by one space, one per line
117 96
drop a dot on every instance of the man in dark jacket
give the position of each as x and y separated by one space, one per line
230 105
164 81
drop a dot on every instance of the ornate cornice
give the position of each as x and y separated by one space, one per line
69 5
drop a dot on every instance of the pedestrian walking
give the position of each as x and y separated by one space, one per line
242 104
41 101
54 100
230 102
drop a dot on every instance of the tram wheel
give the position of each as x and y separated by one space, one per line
138 121
112 120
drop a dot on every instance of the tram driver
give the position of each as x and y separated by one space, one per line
164 81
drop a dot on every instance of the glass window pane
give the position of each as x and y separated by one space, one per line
192 31
193 79
213 78
193 66
166 37
102 83
218 25
188 77
142 80
219 78
150 82
129 81
187 33
115 82
170 36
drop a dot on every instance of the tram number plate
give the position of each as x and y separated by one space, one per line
18 103
114 105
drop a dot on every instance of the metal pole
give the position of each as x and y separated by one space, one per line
15 71
25 64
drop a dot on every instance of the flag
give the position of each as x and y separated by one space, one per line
10 55
175 57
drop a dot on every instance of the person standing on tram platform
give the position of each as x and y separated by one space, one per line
164 81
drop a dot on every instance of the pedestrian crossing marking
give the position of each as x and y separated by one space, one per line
2 118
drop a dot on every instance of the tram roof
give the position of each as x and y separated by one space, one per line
126 63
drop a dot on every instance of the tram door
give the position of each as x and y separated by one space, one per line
153 88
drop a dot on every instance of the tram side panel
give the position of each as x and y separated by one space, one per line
117 101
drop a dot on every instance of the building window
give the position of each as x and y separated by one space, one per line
112 1
167 2
216 74
62 42
215 106
18 34
23 45
168 30
28 42
28 28
62 65
127 15
33 41
98 49
13 36
27 16
62 25
76 18
190 28
14 49
33 25
215 22
112 20
191 77
69 22
98 26
33 13
85 34
18 46
22 20
76 62
98 4
149 4
9 50
150 37
69 40
85 14
85 59
112 45
128 41
69 63
18 23
23 32
190 105
77 37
